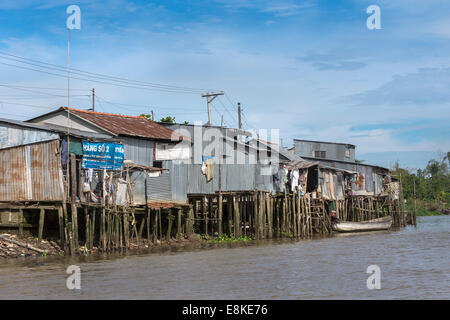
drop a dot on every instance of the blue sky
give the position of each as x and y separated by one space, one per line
310 68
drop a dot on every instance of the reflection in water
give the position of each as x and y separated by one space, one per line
414 262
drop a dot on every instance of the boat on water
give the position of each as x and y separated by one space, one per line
383 223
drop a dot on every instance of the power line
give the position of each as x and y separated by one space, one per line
242 112
102 75
120 105
226 109
42 88
27 105
96 81
34 91
218 115
133 83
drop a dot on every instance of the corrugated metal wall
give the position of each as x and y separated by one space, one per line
333 151
157 188
369 172
140 151
31 172
188 178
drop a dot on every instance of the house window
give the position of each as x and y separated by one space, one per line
319 154
347 153
157 164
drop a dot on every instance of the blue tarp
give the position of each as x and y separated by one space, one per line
102 155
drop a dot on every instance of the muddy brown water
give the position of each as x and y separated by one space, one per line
414 263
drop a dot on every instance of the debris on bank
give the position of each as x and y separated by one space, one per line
13 247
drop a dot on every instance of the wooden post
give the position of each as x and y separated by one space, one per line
103 229
68 230
169 225
126 228
237 222
160 223
87 227
415 215
41 224
255 214
92 228
205 217
190 224
294 215
230 215
284 202
220 231
74 211
148 225
155 227
134 222
277 213
61 226
179 212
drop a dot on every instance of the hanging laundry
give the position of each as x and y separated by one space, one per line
154 174
209 169
284 174
294 179
90 173
64 153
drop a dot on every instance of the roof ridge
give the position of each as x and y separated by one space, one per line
104 113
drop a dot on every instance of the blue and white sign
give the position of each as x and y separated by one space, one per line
102 155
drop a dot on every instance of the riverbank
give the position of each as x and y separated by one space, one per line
12 247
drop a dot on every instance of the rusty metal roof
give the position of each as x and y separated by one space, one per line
127 125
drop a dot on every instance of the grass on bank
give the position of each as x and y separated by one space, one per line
224 238
424 208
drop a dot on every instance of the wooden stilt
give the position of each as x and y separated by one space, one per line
220 204
41 224
61 226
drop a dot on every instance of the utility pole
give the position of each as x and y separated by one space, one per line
93 99
153 116
209 98
239 115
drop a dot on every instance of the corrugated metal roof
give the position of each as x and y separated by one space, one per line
58 129
15 133
328 142
301 164
285 153
26 124
126 125
80 133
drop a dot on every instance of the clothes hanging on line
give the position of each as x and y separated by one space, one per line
294 179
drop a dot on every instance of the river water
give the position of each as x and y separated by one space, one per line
414 264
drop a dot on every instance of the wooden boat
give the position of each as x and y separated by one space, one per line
369 225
